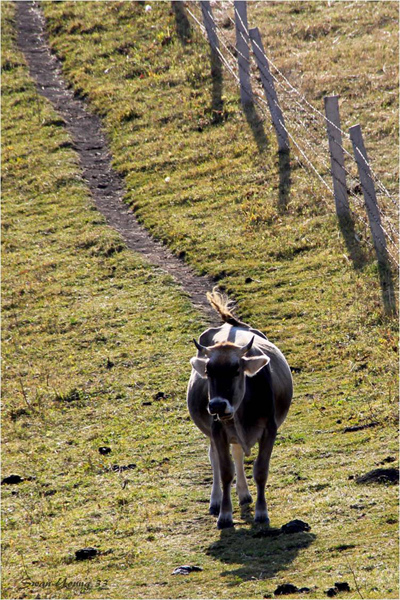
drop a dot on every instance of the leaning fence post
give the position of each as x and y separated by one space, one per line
371 204
337 157
269 89
243 52
209 24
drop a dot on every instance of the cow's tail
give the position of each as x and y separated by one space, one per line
223 306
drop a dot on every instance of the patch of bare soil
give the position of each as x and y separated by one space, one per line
105 184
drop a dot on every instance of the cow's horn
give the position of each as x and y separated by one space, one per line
200 348
244 350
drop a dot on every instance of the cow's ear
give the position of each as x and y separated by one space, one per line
253 364
199 365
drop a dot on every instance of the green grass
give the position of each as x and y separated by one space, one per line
71 308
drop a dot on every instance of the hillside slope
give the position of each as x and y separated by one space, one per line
119 331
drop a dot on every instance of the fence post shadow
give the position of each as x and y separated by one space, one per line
360 259
217 103
357 255
387 287
256 125
285 181
183 27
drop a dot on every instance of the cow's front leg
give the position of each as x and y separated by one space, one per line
260 472
226 472
216 492
241 482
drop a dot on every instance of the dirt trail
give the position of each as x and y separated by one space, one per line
105 184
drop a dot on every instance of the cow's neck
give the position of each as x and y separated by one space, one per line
240 435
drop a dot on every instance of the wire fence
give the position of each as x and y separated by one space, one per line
299 124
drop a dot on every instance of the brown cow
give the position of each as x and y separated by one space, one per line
239 393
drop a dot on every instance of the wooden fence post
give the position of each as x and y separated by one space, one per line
269 89
209 25
243 52
337 157
371 204
216 63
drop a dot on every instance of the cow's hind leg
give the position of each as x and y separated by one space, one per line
241 482
260 472
216 492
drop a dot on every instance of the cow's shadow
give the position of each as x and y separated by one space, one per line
261 552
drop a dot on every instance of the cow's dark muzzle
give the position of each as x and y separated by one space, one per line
218 407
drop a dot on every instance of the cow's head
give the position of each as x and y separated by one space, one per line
226 366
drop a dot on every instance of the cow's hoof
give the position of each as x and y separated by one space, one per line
224 522
246 500
215 509
262 519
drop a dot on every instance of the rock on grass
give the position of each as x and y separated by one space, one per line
342 586
390 475
86 553
185 570
12 479
289 588
295 526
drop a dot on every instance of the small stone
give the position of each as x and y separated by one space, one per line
286 588
104 450
390 475
85 553
295 526
342 586
185 570
11 479
120 468
388 459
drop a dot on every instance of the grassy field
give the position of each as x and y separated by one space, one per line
96 342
